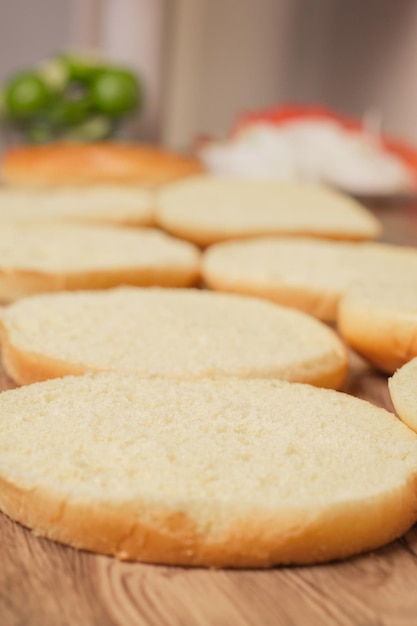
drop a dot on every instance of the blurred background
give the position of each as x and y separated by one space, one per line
204 61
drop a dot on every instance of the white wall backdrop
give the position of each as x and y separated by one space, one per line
30 31
203 61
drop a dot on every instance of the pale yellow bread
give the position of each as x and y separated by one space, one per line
379 320
211 473
174 333
206 210
41 256
305 273
108 204
94 163
403 390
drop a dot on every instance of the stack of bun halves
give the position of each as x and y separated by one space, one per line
169 424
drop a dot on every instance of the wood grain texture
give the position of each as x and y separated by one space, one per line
46 584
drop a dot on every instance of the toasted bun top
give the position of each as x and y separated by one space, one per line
81 164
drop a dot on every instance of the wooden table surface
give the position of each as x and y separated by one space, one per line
47 584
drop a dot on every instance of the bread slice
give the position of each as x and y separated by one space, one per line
308 274
206 210
108 204
176 333
37 256
379 320
85 164
211 473
403 391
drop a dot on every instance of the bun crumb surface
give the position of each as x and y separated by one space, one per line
102 204
175 333
305 273
210 473
208 209
38 257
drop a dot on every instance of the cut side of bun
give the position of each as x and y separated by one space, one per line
178 333
304 273
378 319
206 210
403 391
105 204
213 473
39 256
87 164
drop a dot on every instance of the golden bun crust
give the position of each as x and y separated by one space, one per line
20 283
402 388
386 342
172 538
83 164
321 305
379 322
30 367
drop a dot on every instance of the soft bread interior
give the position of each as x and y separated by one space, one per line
207 209
179 333
51 256
118 204
307 273
239 473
